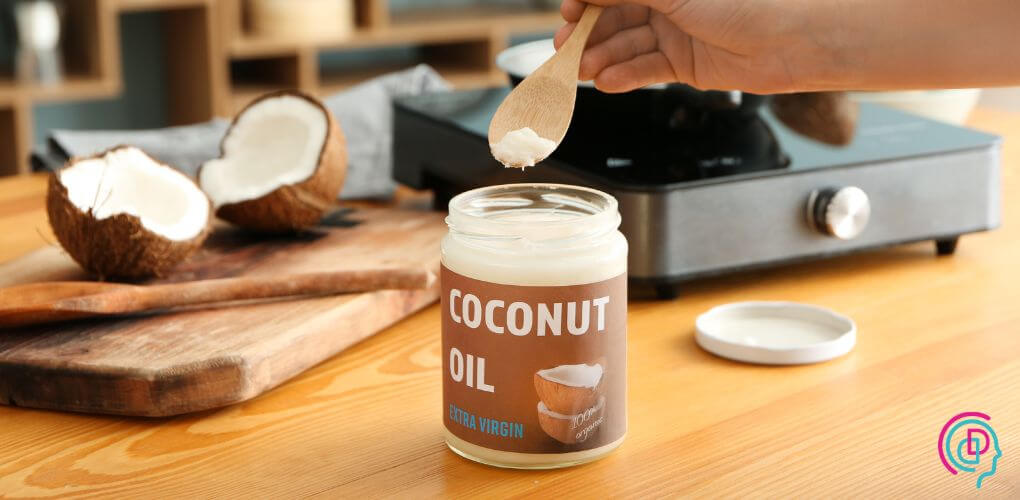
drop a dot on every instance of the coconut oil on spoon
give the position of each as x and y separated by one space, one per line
532 121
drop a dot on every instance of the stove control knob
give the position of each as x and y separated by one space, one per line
839 212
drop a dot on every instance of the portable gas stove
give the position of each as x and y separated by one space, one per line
706 191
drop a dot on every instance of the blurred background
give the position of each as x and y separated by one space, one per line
136 64
132 64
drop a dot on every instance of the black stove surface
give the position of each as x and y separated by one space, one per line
685 146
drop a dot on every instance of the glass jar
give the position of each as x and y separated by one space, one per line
534 305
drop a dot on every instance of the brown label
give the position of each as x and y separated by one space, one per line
534 369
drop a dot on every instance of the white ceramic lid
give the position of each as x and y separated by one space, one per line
775 333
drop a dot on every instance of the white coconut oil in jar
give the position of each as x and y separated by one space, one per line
534 306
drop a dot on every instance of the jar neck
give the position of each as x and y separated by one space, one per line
533 215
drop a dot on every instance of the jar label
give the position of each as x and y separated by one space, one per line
534 369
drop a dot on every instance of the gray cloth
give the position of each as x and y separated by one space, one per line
365 113
185 148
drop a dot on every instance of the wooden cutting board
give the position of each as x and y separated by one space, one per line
167 364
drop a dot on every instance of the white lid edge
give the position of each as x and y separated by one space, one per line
806 354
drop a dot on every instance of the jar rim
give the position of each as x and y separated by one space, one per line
488 212
459 202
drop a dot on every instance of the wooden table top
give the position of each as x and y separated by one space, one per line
938 336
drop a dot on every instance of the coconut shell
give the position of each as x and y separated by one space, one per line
829 117
569 429
117 247
297 206
567 399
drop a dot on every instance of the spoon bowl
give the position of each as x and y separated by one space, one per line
544 101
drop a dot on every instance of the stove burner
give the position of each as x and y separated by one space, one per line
710 187
660 139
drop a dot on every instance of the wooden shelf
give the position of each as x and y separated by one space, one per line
215 68
362 38
142 5
90 65
69 89
411 28
461 44
519 20
329 84
242 94
194 57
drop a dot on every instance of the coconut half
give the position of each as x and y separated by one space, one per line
282 165
569 389
122 214
570 429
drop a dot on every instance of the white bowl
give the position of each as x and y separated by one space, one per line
521 60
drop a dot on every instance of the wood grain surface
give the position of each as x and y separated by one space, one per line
938 336
206 357
47 302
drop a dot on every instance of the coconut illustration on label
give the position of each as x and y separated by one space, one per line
571 405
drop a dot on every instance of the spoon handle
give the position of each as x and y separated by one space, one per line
150 297
579 37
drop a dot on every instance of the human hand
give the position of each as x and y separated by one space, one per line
757 46
774 46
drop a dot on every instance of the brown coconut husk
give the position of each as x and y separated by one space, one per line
298 206
117 247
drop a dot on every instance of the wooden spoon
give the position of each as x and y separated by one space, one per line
544 101
38 303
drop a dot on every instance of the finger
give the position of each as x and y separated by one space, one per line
571 10
623 46
611 21
645 69
563 34
576 7
616 19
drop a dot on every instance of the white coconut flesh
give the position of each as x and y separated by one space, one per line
127 181
574 375
275 142
542 408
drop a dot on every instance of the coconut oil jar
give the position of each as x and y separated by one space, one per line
534 325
